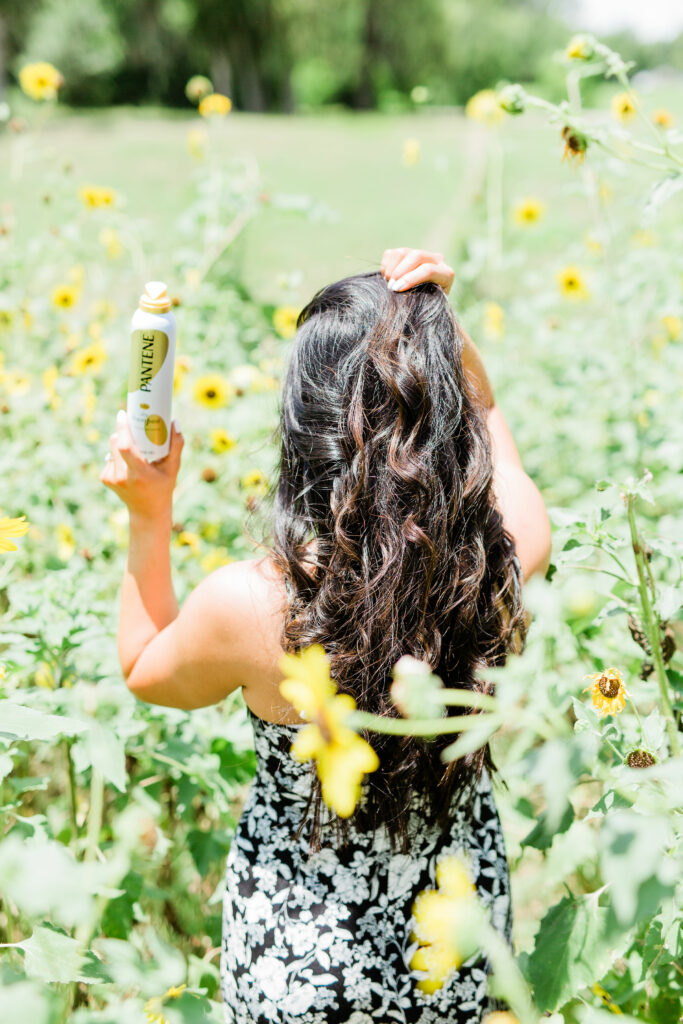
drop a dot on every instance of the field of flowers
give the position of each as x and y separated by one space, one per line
117 816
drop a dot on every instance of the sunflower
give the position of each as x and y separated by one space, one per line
64 296
154 1006
41 81
342 757
528 211
484 107
11 528
284 320
673 326
212 390
494 320
623 106
96 196
255 480
88 359
187 539
15 382
571 283
607 692
443 919
579 48
663 118
6 318
215 105
66 542
221 441
215 559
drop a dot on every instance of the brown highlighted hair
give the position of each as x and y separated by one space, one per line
385 460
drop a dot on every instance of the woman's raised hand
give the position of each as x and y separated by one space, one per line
404 268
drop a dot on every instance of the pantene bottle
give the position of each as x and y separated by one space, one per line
150 381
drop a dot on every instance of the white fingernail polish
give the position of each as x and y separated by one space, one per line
391 285
399 284
121 416
177 426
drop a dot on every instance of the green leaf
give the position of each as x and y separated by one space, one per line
52 955
28 724
567 954
102 749
541 836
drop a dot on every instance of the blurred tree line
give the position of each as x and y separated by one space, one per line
288 54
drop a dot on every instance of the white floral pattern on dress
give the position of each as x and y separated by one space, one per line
324 938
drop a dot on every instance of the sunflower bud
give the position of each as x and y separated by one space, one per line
512 99
580 48
575 143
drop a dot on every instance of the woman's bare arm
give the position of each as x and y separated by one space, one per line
520 502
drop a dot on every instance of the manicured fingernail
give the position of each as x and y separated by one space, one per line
391 284
400 283
176 424
121 416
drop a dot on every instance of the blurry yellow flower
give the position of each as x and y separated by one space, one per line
88 359
500 1017
154 1006
89 401
104 309
95 196
193 278
622 107
214 559
592 242
284 320
178 379
212 390
571 283
606 998
215 105
28 319
484 107
342 756
66 542
196 143
95 330
439 915
64 296
44 675
188 539
494 320
411 152
49 378
15 382
6 318
673 325
198 87
11 528
605 192
221 441
528 211
183 362
663 118
41 80
111 242
644 237
579 48
608 692
255 481
92 435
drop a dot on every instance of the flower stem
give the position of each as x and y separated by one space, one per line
651 623
94 814
72 787
419 726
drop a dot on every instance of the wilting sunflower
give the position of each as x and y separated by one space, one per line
607 691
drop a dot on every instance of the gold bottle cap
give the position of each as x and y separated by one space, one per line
155 298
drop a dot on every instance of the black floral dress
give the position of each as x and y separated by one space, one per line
324 938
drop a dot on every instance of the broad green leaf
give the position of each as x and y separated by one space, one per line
28 724
567 953
541 836
52 955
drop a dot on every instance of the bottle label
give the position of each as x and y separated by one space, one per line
149 348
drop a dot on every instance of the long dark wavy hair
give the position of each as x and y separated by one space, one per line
385 460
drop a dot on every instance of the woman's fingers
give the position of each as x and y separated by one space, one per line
438 273
391 258
412 259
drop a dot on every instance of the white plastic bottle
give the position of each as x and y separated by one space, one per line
150 380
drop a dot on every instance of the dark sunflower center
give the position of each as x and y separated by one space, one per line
210 393
608 686
640 759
